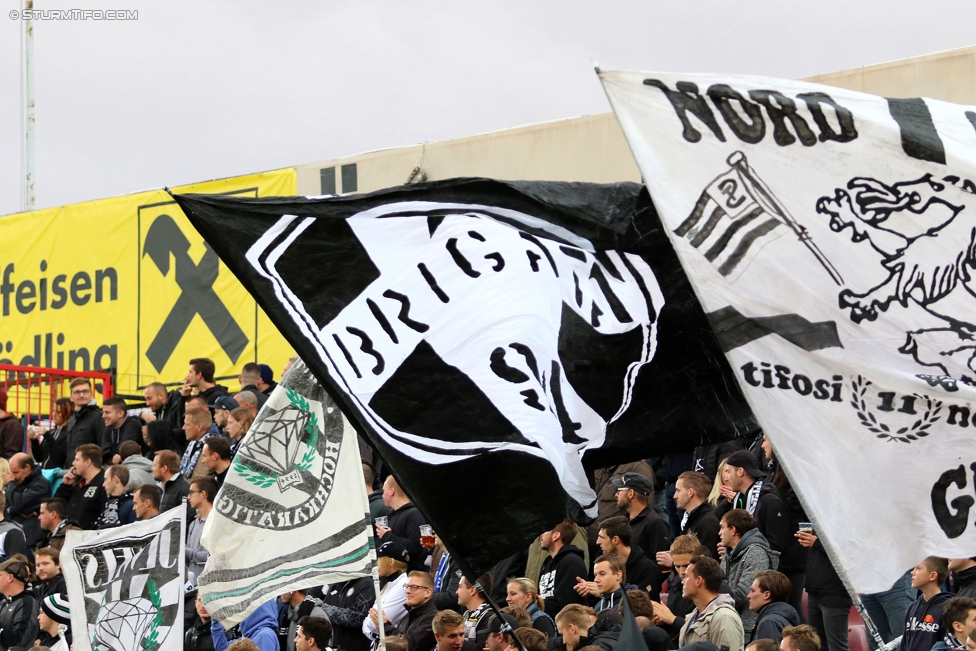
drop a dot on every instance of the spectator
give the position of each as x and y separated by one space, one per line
11 430
477 610
139 467
119 428
200 497
216 457
53 519
198 426
249 378
145 501
347 605
239 421
523 593
48 569
800 638
165 407
418 625
266 383
691 494
249 401
768 598
118 500
614 538
964 572
404 523
497 640
573 624
221 409
200 382
533 639
560 571
288 365
18 609
377 508
25 488
746 552
166 470
448 627
82 487
971 641
85 425
923 623
673 464
714 618
760 499
606 493
12 539
447 577
521 615
888 609
54 619
260 627
609 574
763 645
49 445
722 494
649 531
313 634
671 617
197 636
391 564
828 602
297 605
958 621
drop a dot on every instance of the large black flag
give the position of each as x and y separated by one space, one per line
493 340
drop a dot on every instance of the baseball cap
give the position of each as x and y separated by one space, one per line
267 375
16 568
56 607
747 461
495 625
636 482
224 402
394 550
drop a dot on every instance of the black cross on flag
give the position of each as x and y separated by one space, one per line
495 341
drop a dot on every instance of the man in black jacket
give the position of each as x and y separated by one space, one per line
48 569
119 428
85 425
25 489
347 604
691 493
165 407
417 627
615 538
404 524
964 576
560 571
82 488
649 531
200 382
166 470
18 609
760 499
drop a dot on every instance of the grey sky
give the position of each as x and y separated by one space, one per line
199 90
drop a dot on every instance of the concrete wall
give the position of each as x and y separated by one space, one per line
592 148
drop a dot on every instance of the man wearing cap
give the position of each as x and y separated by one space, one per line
221 408
391 564
18 609
266 383
55 621
497 640
760 499
648 530
249 378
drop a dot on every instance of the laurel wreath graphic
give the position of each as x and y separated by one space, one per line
907 434
265 480
151 643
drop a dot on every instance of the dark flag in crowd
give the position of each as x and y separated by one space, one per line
493 340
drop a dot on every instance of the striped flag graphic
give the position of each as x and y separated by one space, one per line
730 223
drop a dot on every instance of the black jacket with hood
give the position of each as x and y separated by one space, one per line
558 578
772 619
822 580
923 623
405 529
644 573
24 503
347 604
84 426
966 582
112 439
703 523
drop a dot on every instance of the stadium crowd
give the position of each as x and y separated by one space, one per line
711 549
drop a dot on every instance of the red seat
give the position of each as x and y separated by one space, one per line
857 637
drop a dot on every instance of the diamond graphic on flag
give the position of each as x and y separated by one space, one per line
122 625
276 440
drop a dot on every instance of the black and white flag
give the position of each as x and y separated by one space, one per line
846 303
492 340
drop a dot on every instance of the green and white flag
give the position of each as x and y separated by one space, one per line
125 585
293 511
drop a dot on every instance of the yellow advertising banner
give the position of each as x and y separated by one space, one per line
127 284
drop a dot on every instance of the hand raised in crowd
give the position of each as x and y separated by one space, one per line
186 390
727 492
70 478
721 550
381 531
35 432
147 416
662 614
664 559
117 459
584 588
806 538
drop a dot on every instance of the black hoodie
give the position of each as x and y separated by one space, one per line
405 529
966 583
558 578
112 439
644 573
84 426
923 623
772 619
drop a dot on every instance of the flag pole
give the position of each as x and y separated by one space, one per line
379 597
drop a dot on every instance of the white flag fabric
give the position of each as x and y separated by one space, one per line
831 237
293 510
125 585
